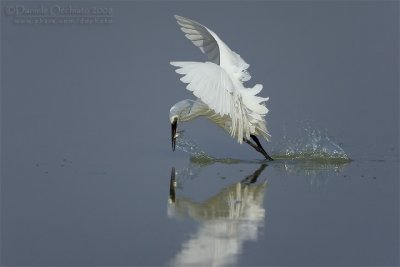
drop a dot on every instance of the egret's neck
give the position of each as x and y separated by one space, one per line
187 110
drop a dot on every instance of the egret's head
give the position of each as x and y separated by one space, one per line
173 118
179 112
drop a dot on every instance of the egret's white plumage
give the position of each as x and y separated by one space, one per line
218 86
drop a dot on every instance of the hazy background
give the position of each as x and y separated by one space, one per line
85 134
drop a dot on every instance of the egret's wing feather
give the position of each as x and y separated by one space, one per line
214 48
209 82
200 37
212 85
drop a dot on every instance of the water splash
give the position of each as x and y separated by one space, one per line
312 154
312 144
188 146
198 156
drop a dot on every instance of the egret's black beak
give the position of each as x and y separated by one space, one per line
174 125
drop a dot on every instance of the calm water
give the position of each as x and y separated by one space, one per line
88 177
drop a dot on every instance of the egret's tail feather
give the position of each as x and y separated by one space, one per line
255 90
262 130
252 101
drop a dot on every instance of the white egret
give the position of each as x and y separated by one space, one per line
218 86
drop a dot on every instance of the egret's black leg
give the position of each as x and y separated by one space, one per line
258 147
255 139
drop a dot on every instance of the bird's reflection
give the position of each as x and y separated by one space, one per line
227 220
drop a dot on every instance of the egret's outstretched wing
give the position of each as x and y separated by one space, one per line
212 85
200 37
214 48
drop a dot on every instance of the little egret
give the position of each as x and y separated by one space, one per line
218 86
